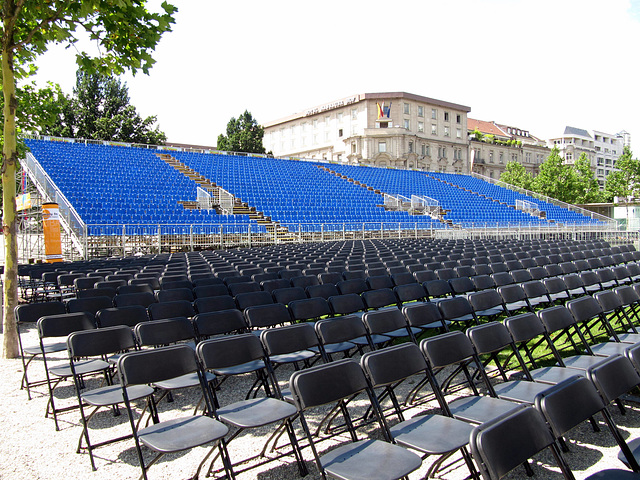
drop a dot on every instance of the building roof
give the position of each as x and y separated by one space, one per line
576 131
487 128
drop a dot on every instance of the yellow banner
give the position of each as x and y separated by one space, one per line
23 202
51 227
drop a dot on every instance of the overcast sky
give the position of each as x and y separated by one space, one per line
537 65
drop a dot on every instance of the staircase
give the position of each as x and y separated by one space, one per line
239 207
439 217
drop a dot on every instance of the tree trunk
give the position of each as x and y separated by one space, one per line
10 348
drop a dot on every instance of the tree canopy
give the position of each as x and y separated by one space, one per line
125 32
99 109
243 135
515 174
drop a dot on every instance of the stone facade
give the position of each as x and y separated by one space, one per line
392 129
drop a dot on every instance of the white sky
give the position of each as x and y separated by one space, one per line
538 65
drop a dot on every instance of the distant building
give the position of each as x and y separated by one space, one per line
493 145
602 149
391 129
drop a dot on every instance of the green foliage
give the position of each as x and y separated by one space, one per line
243 135
515 174
477 134
99 109
624 182
586 188
556 179
489 138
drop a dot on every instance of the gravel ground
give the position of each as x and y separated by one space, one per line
32 449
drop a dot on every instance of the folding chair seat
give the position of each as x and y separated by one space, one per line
177 308
237 355
357 286
514 298
97 345
333 383
429 434
59 327
28 314
487 304
260 317
563 413
492 340
341 335
557 290
348 304
128 316
454 349
291 344
614 310
457 309
250 299
128 299
526 329
537 294
178 434
390 324
589 313
591 281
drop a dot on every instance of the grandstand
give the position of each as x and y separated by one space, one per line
174 199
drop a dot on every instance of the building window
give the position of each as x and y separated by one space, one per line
420 111
340 115
490 157
434 114
407 124
458 118
434 129
458 133
315 123
442 152
354 147
383 124
406 109
446 130
340 132
382 147
410 147
424 149
446 116
501 158
420 126
354 114
304 127
428 150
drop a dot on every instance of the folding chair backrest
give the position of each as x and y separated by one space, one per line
447 349
418 314
341 329
614 377
559 406
218 323
309 308
156 365
91 305
346 304
324 384
214 304
556 318
102 341
31 312
129 316
584 308
489 337
524 327
502 444
140 298
229 351
392 364
382 321
177 308
288 339
164 332
64 324
262 316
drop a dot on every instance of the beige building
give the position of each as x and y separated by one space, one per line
392 129
602 149
493 145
